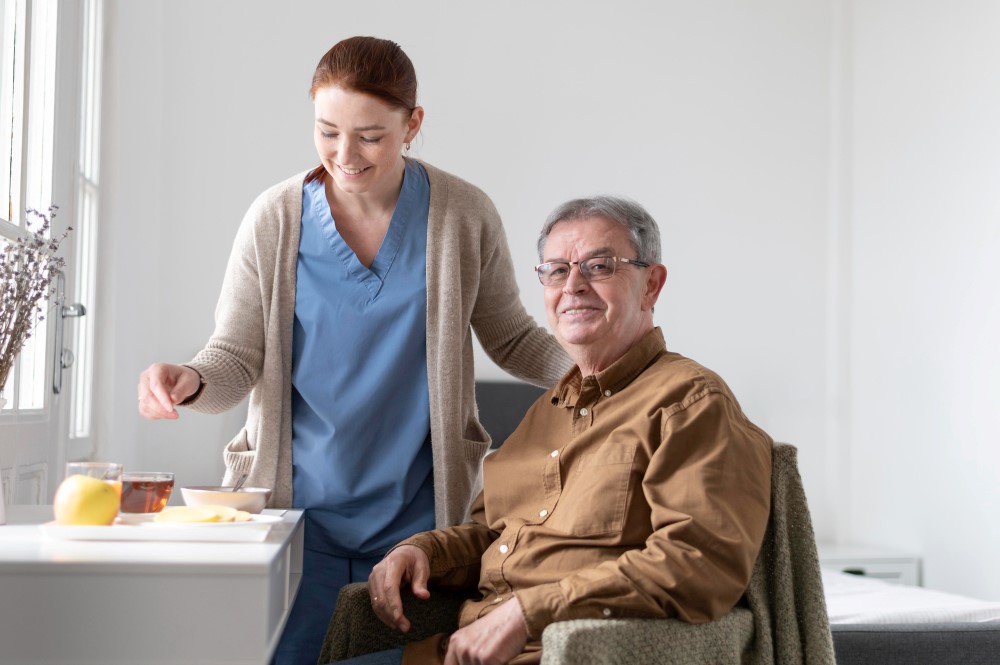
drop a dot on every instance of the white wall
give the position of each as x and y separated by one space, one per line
712 115
732 122
925 399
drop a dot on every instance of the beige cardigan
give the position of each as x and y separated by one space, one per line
470 281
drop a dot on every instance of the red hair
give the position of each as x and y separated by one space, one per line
376 67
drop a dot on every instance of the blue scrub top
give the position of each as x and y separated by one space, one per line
361 454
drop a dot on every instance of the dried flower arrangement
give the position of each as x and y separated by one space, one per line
27 267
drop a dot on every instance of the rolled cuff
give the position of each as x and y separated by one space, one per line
542 605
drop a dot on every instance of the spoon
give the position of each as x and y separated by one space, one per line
239 483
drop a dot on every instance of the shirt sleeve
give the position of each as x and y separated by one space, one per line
708 488
455 554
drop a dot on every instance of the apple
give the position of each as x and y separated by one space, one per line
82 500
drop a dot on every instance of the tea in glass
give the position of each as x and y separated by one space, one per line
146 491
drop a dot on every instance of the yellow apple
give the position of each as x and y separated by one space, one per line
83 500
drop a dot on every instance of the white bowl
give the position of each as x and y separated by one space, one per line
250 499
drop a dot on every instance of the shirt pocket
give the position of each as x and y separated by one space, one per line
595 493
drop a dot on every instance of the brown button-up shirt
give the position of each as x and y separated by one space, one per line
640 491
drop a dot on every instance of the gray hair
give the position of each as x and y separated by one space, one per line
642 228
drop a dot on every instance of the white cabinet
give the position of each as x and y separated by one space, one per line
133 602
884 564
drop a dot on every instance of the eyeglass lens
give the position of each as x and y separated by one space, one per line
593 270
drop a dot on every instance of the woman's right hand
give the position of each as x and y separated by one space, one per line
162 386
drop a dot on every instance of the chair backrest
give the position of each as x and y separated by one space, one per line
786 588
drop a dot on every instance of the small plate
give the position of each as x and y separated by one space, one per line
141 527
146 520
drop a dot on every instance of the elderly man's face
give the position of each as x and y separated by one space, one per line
597 322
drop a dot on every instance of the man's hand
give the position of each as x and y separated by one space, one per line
494 640
403 564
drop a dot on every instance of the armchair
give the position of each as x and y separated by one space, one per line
781 619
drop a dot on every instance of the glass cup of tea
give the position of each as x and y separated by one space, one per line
109 472
146 491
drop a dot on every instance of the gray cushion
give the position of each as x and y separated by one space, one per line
503 405
665 642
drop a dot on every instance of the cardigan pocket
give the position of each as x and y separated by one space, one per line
477 441
238 456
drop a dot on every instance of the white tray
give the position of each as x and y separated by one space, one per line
142 527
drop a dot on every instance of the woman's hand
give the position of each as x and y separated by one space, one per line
162 386
405 563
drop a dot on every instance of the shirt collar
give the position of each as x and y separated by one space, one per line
618 375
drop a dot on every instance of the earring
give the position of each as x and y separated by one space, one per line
407 146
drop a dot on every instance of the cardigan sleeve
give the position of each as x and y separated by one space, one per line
509 335
233 358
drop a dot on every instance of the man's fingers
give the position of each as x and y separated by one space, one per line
395 570
383 587
450 657
421 573
405 563
496 638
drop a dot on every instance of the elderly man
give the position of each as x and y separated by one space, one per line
636 487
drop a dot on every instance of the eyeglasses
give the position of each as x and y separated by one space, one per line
594 269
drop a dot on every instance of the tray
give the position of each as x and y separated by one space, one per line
142 527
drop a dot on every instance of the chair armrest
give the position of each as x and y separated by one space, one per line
355 630
662 641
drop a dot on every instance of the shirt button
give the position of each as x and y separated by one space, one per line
607 612
554 453
504 549
607 393
543 513
584 411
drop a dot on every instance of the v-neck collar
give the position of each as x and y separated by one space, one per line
372 277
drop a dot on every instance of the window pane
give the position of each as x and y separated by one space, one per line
28 49
32 367
11 107
41 107
86 222
83 369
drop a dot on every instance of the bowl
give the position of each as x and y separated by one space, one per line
250 499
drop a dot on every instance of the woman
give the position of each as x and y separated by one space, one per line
345 314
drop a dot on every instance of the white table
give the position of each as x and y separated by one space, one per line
118 602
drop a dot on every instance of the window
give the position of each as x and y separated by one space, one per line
39 36
26 122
